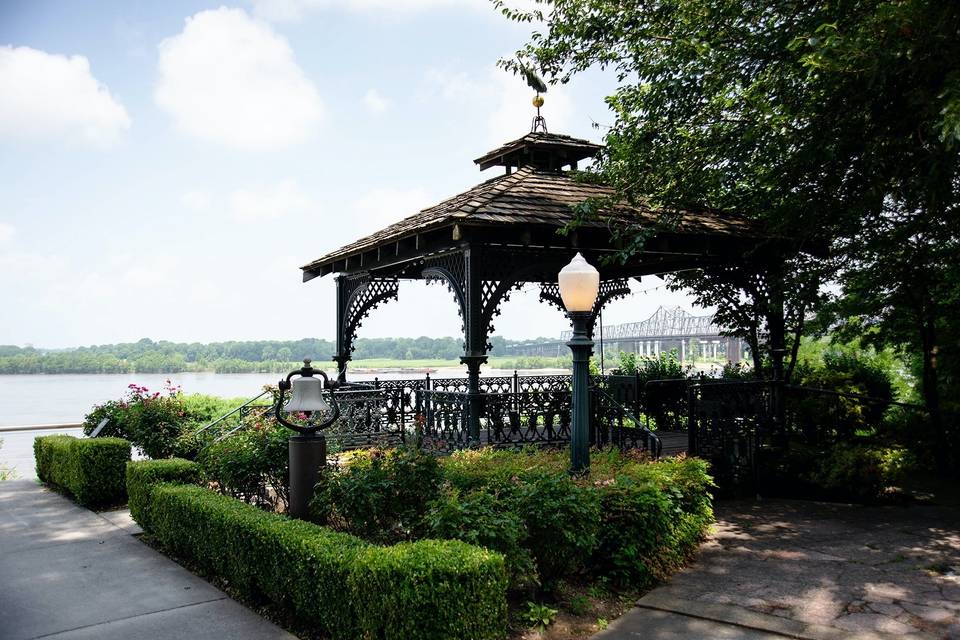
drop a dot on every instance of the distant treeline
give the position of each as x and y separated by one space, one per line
147 356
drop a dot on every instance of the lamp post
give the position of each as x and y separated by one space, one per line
579 285
308 450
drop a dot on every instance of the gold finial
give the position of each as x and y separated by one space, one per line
539 123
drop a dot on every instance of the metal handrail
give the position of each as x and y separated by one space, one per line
650 434
856 396
352 390
227 415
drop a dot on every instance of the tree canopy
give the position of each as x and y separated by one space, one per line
835 123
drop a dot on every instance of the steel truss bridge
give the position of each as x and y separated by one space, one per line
668 328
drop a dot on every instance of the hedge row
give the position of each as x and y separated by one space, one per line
144 475
89 469
344 586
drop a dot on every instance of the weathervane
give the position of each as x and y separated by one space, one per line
536 83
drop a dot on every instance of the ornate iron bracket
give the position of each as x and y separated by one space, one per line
360 294
610 290
451 270
493 294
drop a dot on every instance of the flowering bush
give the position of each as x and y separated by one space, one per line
251 464
152 421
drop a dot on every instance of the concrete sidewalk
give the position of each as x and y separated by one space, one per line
817 571
71 574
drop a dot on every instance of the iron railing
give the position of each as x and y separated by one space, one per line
531 416
614 424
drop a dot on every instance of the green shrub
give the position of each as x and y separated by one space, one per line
632 519
844 372
159 422
861 472
636 525
143 475
344 586
43 452
251 464
562 520
381 496
482 519
486 467
114 411
430 589
90 470
666 366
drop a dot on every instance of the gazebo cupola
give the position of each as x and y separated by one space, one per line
488 241
542 151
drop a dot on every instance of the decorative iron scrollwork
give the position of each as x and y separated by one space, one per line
451 270
360 295
493 293
610 290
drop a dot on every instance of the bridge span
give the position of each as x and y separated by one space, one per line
694 337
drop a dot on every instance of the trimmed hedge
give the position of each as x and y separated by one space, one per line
430 589
144 475
89 469
344 586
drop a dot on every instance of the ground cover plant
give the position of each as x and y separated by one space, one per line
627 525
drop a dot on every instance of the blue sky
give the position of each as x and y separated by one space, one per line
167 166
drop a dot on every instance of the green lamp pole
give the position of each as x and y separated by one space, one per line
579 285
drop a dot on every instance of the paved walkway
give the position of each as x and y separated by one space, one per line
70 574
777 569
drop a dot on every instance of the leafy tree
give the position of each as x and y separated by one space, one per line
834 124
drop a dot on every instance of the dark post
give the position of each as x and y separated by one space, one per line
343 356
308 454
341 360
474 395
582 346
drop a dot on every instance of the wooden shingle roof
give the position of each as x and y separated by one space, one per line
529 196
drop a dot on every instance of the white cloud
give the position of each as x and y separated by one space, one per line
6 232
503 99
374 102
231 79
268 202
50 96
196 200
292 10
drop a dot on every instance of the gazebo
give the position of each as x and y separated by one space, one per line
510 230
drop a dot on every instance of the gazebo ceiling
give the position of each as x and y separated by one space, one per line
524 209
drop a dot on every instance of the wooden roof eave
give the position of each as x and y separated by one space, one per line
593 238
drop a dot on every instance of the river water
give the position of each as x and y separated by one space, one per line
66 398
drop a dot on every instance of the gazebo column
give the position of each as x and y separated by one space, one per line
343 355
475 338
